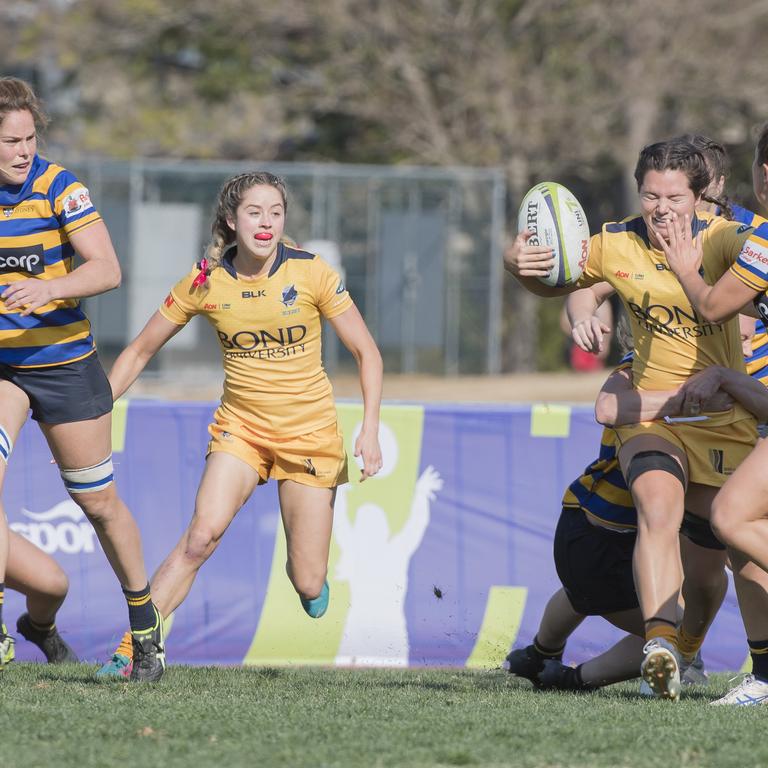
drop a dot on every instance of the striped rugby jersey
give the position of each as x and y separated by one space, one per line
36 220
601 491
757 362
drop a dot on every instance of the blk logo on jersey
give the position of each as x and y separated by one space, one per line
28 259
290 294
255 294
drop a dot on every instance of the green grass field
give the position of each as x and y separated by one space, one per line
322 717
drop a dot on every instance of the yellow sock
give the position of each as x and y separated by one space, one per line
689 645
662 630
126 646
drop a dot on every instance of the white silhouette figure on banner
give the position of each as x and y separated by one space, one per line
376 567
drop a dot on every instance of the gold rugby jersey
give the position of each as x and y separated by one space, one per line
36 220
269 331
671 341
601 491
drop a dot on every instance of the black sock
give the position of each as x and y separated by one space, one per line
547 653
2 599
141 610
758 650
43 629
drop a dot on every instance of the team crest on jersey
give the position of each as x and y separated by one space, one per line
290 294
341 287
77 202
7 212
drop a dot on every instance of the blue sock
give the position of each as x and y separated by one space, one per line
317 606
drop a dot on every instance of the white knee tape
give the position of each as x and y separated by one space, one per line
89 479
6 444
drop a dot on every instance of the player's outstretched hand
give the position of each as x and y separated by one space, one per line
367 447
590 334
524 260
30 294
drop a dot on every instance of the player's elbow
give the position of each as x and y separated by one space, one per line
115 277
716 314
606 409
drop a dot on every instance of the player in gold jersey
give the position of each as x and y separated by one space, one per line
740 511
48 361
668 467
277 417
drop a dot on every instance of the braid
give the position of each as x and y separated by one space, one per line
723 202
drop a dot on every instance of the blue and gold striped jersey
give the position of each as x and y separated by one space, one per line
757 362
751 267
601 491
36 221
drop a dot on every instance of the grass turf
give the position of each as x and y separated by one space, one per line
62 716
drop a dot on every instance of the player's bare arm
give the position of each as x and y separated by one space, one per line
716 303
134 358
99 272
351 329
588 330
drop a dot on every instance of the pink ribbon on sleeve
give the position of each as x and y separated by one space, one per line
202 275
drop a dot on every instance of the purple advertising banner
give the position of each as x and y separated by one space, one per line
445 558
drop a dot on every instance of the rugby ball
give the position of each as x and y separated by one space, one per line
556 219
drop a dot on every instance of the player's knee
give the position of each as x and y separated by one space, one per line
57 584
99 506
200 544
724 523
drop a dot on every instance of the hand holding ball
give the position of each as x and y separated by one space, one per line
557 222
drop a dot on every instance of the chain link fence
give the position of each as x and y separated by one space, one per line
420 249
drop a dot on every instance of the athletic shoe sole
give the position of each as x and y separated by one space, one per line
661 672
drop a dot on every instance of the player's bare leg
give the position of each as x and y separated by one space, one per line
740 510
226 485
559 621
307 514
751 584
656 472
39 578
14 405
83 452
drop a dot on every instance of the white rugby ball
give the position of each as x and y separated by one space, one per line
557 220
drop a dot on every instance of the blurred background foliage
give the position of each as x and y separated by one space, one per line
561 89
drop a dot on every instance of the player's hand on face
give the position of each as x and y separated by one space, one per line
682 249
590 334
524 260
367 447
28 295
